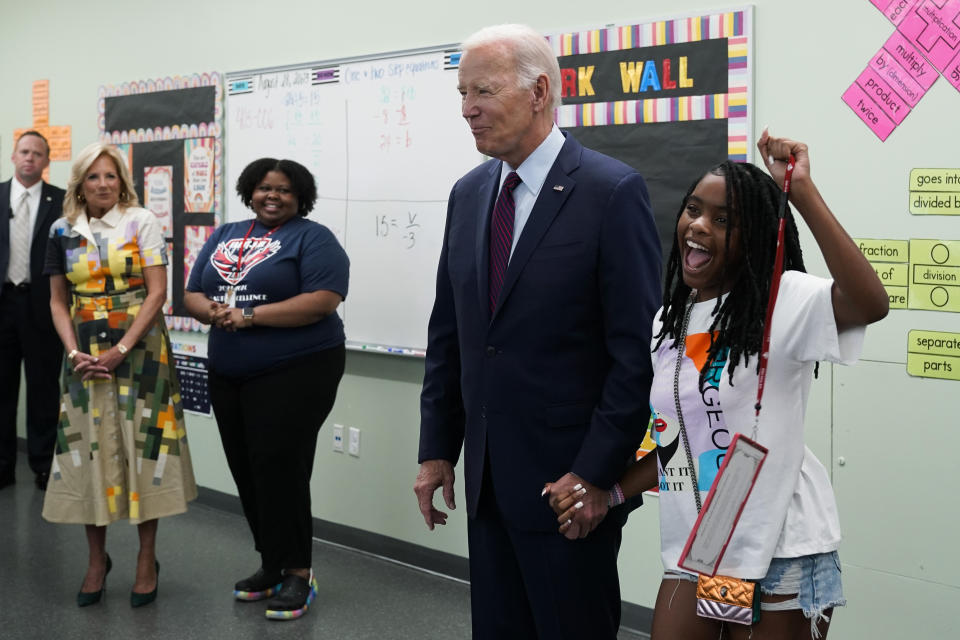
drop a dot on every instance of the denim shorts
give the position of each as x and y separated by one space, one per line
815 580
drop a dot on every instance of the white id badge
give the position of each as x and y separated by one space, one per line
230 297
724 504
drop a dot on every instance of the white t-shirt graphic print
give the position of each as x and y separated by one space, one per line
791 511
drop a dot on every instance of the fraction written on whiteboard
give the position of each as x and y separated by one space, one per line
390 226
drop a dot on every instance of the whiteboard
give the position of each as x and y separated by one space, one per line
384 138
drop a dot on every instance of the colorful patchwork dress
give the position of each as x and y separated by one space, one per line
121 444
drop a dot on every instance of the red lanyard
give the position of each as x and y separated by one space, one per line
243 243
774 283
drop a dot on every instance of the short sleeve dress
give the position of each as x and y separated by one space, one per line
121 448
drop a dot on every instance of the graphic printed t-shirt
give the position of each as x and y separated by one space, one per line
791 511
300 256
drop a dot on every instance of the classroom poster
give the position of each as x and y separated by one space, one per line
126 152
194 238
158 196
168 303
198 163
170 132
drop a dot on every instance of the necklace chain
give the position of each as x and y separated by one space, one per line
680 345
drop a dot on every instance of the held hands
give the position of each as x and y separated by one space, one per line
580 505
434 474
97 368
226 317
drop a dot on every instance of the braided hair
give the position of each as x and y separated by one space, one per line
752 199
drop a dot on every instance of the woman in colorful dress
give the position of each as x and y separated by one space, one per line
121 445
271 287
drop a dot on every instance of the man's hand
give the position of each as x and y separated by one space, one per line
434 474
588 511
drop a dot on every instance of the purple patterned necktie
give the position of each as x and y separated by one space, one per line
501 236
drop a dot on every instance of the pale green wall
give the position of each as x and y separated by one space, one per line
896 501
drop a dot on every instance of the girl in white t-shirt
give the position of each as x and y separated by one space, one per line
715 299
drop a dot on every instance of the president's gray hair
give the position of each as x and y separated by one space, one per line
532 54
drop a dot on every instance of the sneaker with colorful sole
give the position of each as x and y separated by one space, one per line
259 586
293 599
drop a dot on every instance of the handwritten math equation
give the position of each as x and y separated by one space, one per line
391 227
392 117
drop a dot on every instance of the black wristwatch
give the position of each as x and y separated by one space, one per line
247 314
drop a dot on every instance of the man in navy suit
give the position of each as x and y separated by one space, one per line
26 329
540 370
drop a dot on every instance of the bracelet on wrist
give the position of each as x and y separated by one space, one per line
616 496
122 349
73 354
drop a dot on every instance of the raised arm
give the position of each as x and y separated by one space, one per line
858 295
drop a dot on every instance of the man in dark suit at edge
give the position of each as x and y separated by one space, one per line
26 329
538 357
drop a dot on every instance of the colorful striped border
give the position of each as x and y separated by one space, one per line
733 106
732 24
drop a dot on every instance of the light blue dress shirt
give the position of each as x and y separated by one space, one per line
532 171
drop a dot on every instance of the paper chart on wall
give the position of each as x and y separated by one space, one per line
925 44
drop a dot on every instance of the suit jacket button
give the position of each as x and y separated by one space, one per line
491 352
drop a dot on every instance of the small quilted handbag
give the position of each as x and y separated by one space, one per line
727 599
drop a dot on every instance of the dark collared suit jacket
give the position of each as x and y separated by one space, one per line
558 378
51 205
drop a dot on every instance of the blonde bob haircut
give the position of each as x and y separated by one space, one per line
531 55
73 201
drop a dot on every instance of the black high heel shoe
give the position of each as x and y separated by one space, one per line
87 598
141 599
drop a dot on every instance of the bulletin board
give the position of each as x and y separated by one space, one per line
169 131
384 137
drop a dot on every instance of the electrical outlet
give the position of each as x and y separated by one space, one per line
354 445
338 437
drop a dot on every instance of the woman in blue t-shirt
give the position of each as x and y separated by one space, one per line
270 287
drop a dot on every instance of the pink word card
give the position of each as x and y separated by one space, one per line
933 26
895 79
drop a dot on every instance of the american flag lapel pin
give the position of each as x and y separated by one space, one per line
558 187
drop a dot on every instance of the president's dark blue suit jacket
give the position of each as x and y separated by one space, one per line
558 378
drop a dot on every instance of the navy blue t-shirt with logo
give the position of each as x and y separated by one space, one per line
298 257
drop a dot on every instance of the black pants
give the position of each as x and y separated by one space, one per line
535 584
32 341
269 424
